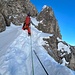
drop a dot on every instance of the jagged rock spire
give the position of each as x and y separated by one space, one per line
48 22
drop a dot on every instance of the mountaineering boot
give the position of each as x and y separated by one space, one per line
29 34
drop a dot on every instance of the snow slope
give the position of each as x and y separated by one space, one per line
19 50
7 37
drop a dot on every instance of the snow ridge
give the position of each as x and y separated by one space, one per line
18 61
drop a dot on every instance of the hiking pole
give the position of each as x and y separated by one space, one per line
41 63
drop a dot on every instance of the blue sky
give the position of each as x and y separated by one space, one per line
64 11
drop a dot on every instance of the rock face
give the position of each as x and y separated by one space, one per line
48 24
68 52
72 61
62 52
15 11
2 23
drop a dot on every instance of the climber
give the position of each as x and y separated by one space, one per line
27 24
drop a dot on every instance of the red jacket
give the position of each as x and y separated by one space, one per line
26 23
27 20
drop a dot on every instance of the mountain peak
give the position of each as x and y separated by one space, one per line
45 6
49 23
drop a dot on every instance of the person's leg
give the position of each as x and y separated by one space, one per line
29 31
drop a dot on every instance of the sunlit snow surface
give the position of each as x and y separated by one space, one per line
17 58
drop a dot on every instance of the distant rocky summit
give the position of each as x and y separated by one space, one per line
15 11
48 22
